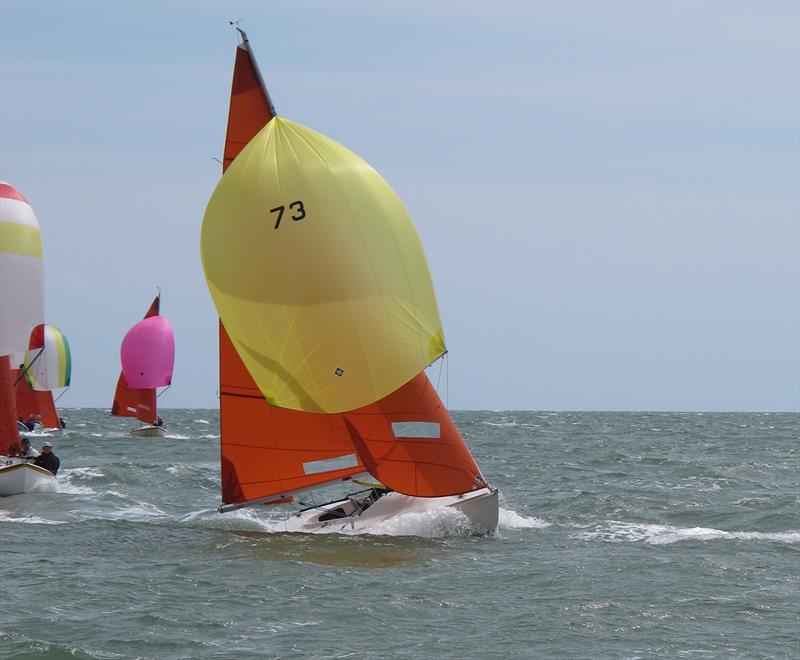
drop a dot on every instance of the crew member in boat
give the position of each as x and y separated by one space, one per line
26 451
160 422
62 422
47 459
32 421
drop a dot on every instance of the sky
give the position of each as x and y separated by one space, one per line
608 193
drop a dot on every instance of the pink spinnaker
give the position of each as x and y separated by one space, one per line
148 353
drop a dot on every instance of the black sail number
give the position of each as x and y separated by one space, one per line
297 207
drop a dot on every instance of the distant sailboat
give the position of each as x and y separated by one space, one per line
21 310
328 320
47 367
147 354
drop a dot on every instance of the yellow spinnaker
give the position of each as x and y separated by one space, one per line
317 273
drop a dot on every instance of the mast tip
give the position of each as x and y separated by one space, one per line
241 32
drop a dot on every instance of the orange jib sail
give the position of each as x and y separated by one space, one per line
133 402
408 441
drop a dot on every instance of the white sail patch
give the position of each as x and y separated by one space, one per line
416 429
330 464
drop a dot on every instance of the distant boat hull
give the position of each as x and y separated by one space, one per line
149 432
481 507
17 477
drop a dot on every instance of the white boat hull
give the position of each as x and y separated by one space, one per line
18 476
481 507
149 432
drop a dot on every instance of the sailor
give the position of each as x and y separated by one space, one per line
47 459
26 450
160 422
62 422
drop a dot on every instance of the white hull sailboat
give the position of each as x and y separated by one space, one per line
365 510
149 432
18 476
328 322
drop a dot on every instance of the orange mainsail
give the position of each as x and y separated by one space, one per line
132 402
406 439
9 434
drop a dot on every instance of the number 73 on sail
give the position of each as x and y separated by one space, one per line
328 320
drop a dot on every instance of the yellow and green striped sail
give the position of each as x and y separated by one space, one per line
48 363
318 274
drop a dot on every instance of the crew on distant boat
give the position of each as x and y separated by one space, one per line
62 422
31 422
47 459
160 422
27 451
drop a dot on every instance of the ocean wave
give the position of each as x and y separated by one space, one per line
621 532
512 520
5 516
66 487
202 421
177 436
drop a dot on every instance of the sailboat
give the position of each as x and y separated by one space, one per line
47 366
21 310
328 320
147 354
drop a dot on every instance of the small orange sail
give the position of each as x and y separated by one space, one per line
32 402
132 402
9 434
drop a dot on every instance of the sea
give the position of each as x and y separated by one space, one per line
622 535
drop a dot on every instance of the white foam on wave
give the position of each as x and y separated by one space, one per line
209 436
513 520
138 512
65 482
244 520
177 436
66 487
83 472
621 532
5 516
202 421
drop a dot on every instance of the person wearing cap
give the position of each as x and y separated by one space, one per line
26 450
47 459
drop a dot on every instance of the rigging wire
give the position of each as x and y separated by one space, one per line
25 369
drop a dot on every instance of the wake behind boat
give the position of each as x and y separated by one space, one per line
328 320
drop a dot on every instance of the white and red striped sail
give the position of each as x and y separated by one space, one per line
21 297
